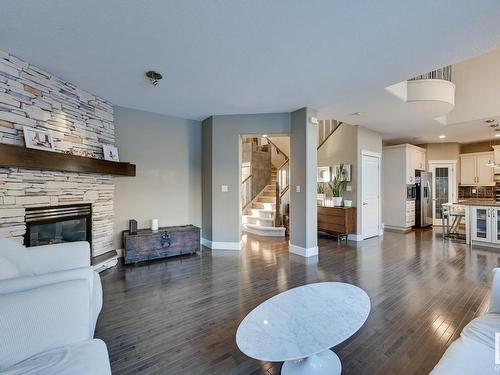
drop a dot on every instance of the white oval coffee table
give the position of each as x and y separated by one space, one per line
300 326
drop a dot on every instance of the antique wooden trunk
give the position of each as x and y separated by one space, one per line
166 242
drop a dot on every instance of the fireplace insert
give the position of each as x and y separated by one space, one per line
58 224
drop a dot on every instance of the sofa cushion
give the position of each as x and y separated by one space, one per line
87 357
17 254
8 270
466 356
41 319
483 329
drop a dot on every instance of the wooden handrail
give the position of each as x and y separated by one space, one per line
246 179
277 148
284 190
277 216
282 165
329 135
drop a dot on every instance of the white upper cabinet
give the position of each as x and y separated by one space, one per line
414 159
474 171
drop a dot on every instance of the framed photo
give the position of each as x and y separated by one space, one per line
39 139
110 152
324 174
346 173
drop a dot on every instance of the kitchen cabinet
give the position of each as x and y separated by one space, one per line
474 171
410 213
398 171
415 160
481 223
485 224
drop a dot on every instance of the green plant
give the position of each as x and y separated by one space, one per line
321 188
338 183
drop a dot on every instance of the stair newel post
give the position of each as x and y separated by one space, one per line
277 216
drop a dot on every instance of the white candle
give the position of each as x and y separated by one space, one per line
154 224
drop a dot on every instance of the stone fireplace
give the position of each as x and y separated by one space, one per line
80 123
58 224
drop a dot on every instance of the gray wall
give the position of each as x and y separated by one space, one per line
345 146
167 152
207 131
303 161
341 148
223 143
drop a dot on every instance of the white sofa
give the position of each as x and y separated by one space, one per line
474 351
50 299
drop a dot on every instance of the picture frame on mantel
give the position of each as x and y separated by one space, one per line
110 152
38 139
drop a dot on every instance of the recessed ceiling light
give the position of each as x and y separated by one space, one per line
355 114
442 136
489 121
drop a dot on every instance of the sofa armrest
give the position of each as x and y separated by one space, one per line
495 292
59 257
20 284
37 320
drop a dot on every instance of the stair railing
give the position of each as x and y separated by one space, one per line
443 73
246 192
325 130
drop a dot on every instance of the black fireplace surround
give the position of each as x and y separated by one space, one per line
58 224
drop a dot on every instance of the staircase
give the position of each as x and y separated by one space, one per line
259 216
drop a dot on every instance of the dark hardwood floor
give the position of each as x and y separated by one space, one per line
179 316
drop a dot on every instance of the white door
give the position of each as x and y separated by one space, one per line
481 223
484 172
468 170
370 196
444 184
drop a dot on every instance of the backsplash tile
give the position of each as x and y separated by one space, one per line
480 192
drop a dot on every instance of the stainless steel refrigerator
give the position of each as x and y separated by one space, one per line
423 201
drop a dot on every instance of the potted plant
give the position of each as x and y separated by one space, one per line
337 185
321 191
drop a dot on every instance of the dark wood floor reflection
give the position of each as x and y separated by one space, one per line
180 316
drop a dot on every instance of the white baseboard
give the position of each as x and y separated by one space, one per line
214 245
302 251
206 242
355 237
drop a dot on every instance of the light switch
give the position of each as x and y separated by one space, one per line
224 188
348 188
297 189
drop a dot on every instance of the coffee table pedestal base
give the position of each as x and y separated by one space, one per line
324 363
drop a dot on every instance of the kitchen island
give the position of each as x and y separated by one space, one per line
482 219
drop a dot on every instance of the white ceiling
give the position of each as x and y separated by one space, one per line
236 56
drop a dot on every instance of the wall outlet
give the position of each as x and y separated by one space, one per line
297 189
348 188
224 188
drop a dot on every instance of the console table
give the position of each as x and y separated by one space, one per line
340 221
163 243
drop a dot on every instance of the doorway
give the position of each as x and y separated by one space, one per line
370 194
444 186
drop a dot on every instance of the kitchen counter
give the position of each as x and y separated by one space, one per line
479 202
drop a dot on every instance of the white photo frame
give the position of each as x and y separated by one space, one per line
324 174
110 152
38 139
346 172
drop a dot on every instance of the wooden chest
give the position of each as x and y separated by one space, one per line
340 220
166 242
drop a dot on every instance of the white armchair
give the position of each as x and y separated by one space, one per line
43 265
50 299
47 330
474 351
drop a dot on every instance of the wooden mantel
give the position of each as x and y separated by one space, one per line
21 157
